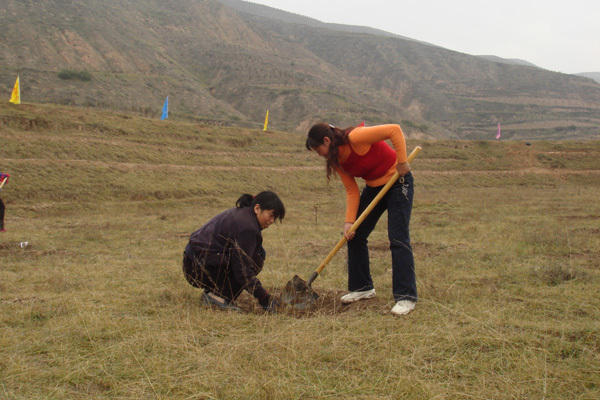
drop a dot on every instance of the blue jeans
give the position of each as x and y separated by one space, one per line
398 203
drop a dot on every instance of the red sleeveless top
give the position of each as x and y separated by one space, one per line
372 165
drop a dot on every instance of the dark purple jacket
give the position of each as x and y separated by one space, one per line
232 241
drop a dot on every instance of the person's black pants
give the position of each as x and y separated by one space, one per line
398 203
214 279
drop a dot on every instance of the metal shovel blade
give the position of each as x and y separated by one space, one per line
298 294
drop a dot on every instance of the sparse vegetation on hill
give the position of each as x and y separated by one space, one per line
95 306
228 62
67 74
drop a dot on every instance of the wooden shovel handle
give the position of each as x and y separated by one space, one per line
361 218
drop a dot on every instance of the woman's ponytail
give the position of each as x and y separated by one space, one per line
245 200
267 200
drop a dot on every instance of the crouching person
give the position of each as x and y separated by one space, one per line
225 255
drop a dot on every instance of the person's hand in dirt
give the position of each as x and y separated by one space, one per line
270 304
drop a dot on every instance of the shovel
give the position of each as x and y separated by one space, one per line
298 293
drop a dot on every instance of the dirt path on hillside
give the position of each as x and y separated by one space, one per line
123 143
155 166
522 171
151 166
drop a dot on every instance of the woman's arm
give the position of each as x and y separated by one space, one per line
362 138
241 263
352 201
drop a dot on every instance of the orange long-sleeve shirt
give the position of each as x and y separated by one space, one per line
361 139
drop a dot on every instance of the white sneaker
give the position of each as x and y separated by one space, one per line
403 307
355 296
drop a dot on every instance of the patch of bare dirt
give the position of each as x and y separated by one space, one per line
328 303
29 250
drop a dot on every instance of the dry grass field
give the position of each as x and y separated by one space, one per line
505 237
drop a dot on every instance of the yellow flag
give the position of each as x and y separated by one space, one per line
266 121
15 97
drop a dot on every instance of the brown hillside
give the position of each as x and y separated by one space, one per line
226 63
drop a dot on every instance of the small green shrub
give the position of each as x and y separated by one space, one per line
67 74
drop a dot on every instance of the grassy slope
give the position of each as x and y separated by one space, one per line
505 241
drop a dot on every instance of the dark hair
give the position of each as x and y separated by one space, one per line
337 137
266 200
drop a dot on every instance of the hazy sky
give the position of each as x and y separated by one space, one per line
562 36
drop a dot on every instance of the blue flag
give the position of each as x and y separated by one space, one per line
165 111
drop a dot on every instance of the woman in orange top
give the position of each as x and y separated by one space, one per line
362 152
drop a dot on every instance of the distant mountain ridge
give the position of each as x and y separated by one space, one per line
512 61
592 75
228 61
285 16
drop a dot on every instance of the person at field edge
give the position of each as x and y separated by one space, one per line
224 256
3 179
362 152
